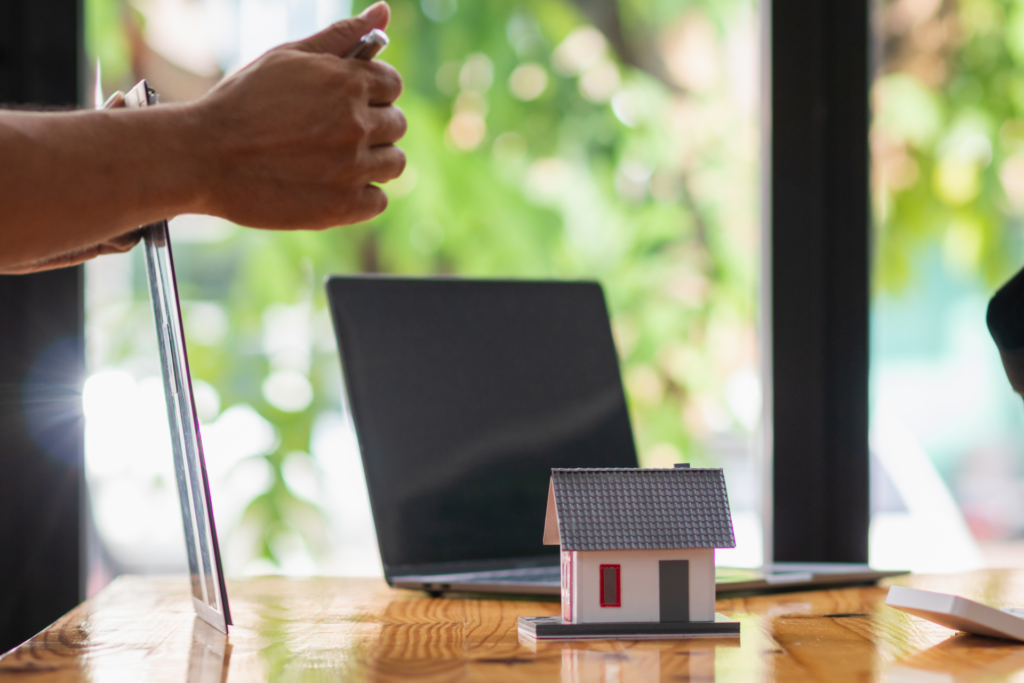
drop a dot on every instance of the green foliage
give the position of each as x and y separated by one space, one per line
948 143
106 41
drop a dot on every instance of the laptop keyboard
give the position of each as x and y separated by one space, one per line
519 576
550 574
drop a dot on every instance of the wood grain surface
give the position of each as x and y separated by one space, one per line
143 629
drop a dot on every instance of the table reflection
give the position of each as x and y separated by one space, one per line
581 661
209 655
581 666
961 659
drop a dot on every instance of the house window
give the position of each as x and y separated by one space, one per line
611 593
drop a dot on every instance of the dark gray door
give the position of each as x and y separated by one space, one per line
674 589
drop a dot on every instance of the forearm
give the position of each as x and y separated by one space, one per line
70 181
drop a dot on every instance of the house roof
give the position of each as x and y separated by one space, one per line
638 509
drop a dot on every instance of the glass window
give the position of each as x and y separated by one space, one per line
947 433
546 140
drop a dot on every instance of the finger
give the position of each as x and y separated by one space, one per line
385 83
121 243
389 125
386 163
115 101
372 202
71 258
339 38
358 206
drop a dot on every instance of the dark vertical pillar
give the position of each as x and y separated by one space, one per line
819 278
41 359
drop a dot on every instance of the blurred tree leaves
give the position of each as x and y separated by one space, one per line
948 140
106 40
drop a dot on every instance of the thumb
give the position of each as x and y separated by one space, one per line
115 101
340 37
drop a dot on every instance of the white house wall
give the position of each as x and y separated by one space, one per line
638 579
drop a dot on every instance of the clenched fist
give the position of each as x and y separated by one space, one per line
299 136
295 140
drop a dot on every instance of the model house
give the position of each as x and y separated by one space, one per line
638 547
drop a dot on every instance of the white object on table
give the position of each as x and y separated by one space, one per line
958 613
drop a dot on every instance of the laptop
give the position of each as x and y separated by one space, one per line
464 394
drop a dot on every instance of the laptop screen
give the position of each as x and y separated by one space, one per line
464 395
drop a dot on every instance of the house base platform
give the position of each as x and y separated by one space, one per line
554 628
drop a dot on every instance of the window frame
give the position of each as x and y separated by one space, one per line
815 278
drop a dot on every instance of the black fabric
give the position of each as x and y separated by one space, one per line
1005 320
1006 315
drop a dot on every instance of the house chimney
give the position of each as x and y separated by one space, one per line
682 464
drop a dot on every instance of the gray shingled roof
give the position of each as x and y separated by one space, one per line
618 509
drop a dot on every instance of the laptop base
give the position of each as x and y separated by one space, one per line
546 581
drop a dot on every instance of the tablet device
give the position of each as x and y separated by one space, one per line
209 594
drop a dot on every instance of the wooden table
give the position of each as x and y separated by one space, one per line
143 629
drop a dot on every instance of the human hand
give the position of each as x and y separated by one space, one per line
296 139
